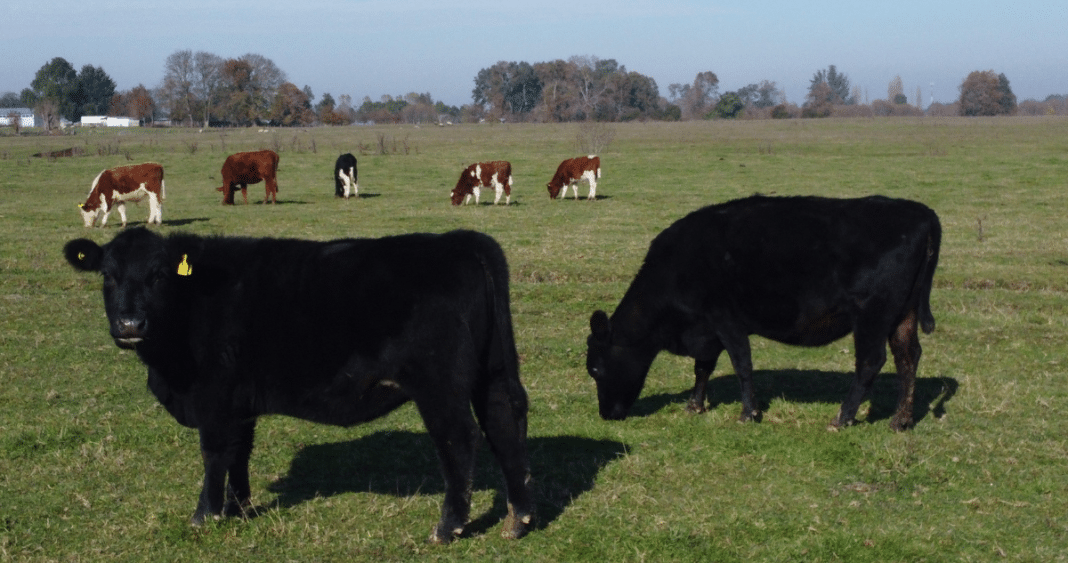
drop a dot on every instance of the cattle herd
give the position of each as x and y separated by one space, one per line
112 188
206 315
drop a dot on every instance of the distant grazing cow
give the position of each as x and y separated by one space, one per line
496 174
244 168
112 188
798 270
234 328
345 176
573 170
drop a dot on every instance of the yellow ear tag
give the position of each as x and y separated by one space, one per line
81 256
184 269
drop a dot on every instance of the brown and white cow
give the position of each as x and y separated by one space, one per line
573 170
496 174
244 168
112 188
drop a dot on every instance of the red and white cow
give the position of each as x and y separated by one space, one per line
573 170
244 168
496 174
112 188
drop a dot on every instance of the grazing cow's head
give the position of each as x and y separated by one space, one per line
456 196
554 189
464 186
619 371
89 216
140 279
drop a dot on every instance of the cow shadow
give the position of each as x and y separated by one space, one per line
813 386
597 197
279 202
184 222
404 463
357 196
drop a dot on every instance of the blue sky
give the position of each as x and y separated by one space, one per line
376 47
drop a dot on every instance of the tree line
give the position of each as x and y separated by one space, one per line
202 88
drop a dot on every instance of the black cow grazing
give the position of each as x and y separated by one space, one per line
798 270
345 176
234 328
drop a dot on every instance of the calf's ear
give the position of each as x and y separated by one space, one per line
600 326
83 254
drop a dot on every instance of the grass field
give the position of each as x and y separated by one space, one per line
92 469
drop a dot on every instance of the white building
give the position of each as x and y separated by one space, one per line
25 116
108 121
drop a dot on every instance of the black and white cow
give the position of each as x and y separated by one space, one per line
234 328
345 176
798 270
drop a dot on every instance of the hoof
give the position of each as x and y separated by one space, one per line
516 527
442 535
695 408
838 423
199 520
749 416
900 424
239 509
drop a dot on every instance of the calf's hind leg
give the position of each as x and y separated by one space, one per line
905 346
501 408
455 436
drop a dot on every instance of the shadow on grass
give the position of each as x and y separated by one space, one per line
183 222
597 197
359 196
404 463
814 386
489 203
279 202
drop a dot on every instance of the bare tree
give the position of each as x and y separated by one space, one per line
696 99
894 90
176 92
14 119
207 82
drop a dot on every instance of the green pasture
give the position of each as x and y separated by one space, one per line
92 469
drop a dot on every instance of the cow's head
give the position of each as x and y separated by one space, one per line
89 215
457 195
141 278
619 371
554 189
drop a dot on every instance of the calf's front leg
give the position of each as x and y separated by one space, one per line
225 452
702 370
737 346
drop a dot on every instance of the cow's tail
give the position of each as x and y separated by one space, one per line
502 354
926 278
